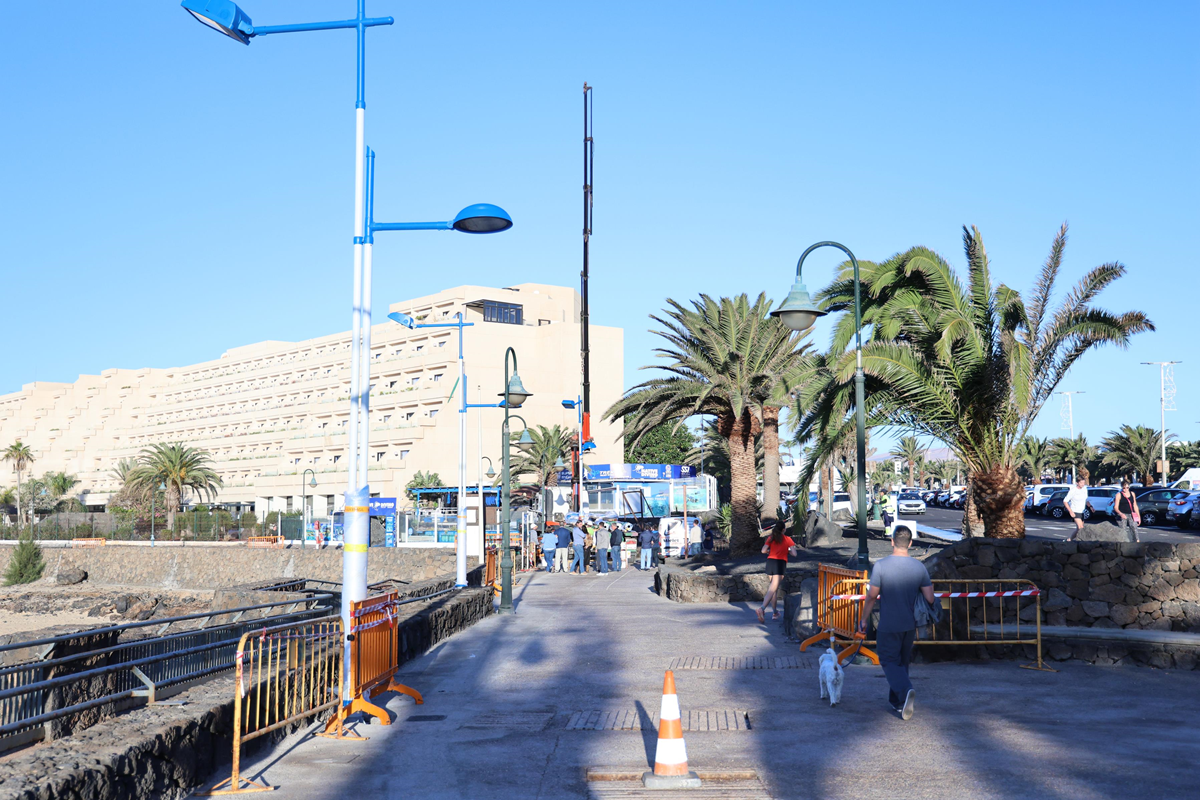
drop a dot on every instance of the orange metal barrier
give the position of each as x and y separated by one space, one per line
87 543
837 620
265 541
284 674
374 653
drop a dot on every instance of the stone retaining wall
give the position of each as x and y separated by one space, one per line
214 567
164 752
709 586
1148 586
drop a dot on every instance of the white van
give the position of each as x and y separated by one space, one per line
1190 480
1041 493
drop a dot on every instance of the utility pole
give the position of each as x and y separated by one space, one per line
1068 417
588 151
1166 402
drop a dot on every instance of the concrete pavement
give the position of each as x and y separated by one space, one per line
512 705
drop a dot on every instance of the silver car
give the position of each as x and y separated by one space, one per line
910 503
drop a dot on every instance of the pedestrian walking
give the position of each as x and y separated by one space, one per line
657 552
615 540
1126 507
1076 501
899 578
564 545
646 543
695 538
601 538
549 548
777 549
579 540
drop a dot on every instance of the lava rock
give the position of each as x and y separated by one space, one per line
820 532
71 576
1104 532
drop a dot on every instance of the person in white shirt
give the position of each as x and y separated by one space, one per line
1076 501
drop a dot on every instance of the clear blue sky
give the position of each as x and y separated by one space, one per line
168 193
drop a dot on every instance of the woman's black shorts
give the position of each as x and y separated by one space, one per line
776 566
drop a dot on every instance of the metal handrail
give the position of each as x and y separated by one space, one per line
150 623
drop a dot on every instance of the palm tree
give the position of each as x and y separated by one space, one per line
909 450
713 448
58 484
177 467
1134 448
1071 455
945 471
550 445
969 364
882 474
21 456
727 359
1035 455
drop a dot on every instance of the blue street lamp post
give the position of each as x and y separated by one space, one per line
799 312
227 18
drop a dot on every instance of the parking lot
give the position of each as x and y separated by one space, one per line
1048 528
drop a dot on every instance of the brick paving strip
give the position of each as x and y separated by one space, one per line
740 662
694 721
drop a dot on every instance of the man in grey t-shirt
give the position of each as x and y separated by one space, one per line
898 579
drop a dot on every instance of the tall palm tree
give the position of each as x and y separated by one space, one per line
711 456
549 445
1071 455
1035 455
728 359
20 456
58 484
945 471
969 364
1134 448
883 474
178 467
910 451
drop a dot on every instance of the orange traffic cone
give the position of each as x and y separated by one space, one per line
670 755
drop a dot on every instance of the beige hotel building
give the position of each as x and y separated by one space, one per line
268 411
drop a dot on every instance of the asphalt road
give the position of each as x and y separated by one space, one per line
1037 527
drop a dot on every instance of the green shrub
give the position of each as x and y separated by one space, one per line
26 565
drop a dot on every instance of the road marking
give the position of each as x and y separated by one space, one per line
703 720
740 662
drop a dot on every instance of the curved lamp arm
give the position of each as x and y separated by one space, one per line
857 289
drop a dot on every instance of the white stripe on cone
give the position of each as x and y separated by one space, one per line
670 707
670 751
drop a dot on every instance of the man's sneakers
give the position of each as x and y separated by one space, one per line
909 701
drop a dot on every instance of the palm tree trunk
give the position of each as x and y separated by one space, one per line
18 502
743 481
770 442
1000 497
172 498
972 523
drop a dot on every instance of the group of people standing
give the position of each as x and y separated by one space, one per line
597 545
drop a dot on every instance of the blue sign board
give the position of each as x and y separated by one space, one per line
385 507
638 472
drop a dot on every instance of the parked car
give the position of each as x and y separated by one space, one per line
1154 502
813 498
928 496
1181 508
910 503
1035 501
957 499
841 500
1101 499
1056 506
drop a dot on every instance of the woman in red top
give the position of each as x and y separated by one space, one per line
776 549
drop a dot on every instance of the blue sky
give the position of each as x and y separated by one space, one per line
168 193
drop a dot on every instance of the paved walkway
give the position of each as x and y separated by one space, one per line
522 706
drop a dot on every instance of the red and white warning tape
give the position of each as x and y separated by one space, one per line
1024 593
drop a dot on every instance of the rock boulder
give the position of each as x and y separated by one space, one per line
820 532
71 576
1104 532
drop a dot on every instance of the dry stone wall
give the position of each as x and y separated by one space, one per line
1146 586
221 566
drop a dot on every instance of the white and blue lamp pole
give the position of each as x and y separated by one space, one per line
226 17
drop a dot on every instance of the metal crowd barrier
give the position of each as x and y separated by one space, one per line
285 673
32 694
838 616
265 541
87 543
994 618
375 656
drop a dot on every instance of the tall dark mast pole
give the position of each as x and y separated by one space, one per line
588 144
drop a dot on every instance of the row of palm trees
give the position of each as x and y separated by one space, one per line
170 468
961 360
1132 451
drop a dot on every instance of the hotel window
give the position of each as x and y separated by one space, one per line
437 377
506 313
432 413
442 344
379 456
409 415
403 454
415 380
392 384
420 347
337 459
386 417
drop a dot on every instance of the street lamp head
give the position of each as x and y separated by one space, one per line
313 482
515 395
223 16
559 463
482 218
525 442
798 311
403 319
589 445
491 473
568 404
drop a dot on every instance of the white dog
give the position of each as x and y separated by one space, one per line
831 677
